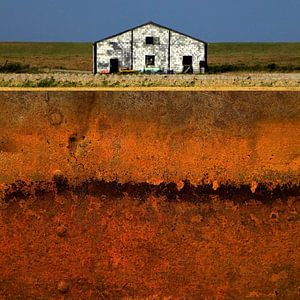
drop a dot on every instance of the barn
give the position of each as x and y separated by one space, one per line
150 48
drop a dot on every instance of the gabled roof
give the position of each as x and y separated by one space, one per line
150 23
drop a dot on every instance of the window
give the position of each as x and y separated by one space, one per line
150 60
149 40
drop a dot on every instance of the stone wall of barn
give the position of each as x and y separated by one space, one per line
116 47
159 49
120 47
182 45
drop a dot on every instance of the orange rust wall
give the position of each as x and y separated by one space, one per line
102 247
143 136
102 240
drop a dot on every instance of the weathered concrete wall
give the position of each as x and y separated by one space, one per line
117 47
204 137
159 50
120 47
88 236
99 246
185 46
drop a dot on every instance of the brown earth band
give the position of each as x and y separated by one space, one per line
20 191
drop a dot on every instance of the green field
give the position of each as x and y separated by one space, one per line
222 57
256 56
72 56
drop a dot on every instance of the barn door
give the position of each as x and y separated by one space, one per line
187 62
114 65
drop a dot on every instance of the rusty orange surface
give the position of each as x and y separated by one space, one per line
98 246
153 137
149 194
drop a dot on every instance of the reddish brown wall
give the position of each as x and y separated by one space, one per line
105 247
106 238
237 136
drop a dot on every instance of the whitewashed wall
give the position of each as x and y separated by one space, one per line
141 49
120 47
182 45
116 47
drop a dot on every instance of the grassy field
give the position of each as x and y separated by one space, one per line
222 57
72 56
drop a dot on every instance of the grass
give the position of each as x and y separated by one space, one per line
282 57
272 67
16 68
70 56
45 49
46 82
222 57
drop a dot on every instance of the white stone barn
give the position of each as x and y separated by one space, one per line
150 47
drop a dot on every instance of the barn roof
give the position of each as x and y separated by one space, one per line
148 23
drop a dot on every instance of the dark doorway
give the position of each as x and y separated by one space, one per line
114 65
150 60
187 62
203 66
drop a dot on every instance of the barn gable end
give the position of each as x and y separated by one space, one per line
150 47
